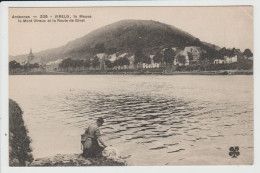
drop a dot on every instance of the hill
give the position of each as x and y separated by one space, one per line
122 36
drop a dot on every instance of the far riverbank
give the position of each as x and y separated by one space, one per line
123 72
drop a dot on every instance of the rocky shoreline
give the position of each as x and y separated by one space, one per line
75 160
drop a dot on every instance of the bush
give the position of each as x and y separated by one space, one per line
19 141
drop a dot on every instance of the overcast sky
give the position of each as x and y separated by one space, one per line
223 26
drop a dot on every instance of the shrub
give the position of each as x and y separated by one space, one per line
19 141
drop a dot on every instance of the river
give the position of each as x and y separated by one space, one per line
151 120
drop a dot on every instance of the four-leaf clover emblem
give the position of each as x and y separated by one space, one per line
234 152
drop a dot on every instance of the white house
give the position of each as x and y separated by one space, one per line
153 64
131 60
112 57
219 61
226 60
102 57
123 55
229 60
52 65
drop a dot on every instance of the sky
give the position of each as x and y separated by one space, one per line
223 26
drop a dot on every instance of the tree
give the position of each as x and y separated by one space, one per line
122 61
203 59
212 54
79 64
66 63
158 57
111 50
19 141
190 56
181 59
197 42
234 52
222 53
138 56
99 48
229 53
125 61
13 64
203 56
247 53
87 63
95 62
36 65
108 63
169 55
146 60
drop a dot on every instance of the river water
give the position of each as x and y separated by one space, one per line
151 120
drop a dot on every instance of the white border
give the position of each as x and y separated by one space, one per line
4 86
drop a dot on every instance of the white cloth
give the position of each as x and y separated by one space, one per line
111 153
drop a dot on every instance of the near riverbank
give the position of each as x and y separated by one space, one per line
75 160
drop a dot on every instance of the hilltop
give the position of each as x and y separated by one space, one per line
121 36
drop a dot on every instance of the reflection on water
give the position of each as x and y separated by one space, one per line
152 120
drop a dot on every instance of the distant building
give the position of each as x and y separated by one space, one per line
30 57
226 60
229 60
123 55
131 62
53 65
102 58
192 51
112 57
181 53
219 61
152 64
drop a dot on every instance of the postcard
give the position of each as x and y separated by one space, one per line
130 86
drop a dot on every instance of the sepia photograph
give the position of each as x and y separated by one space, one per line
131 86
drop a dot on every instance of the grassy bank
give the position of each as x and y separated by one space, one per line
19 141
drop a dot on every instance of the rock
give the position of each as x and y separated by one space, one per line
75 160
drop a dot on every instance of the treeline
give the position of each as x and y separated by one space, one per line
16 65
241 65
68 63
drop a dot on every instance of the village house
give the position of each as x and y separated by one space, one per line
112 57
229 60
53 65
102 58
131 61
226 60
194 51
191 53
219 61
152 64
176 61
123 55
